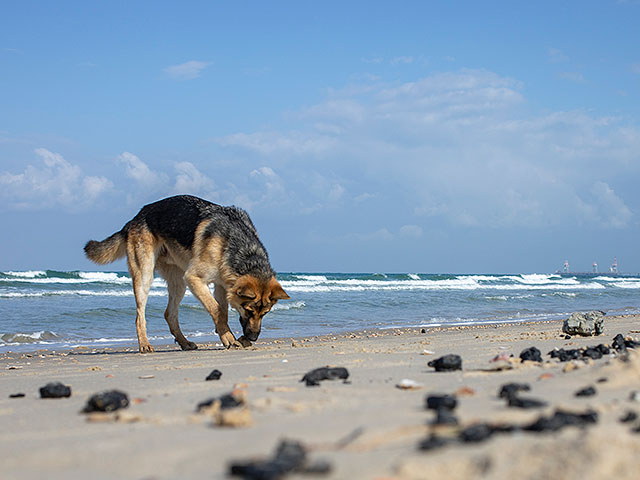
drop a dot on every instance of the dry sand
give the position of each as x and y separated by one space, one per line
366 429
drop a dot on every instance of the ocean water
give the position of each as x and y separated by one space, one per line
57 310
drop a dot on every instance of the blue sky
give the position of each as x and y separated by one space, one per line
430 136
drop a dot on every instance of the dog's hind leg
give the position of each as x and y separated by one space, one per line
141 262
176 286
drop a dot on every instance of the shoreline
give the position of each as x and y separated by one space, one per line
368 428
129 346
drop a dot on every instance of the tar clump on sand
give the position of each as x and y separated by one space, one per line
531 354
214 375
230 409
511 391
289 457
480 432
447 363
443 406
55 390
621 344
586 392
108 401
594 353
314 377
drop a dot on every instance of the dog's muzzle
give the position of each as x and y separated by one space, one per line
246 330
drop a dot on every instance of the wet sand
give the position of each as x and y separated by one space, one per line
367 428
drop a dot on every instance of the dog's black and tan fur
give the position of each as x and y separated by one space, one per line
192 242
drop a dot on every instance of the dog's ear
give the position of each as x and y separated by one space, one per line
276 291
246 287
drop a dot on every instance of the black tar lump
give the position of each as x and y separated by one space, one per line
108 401
314 377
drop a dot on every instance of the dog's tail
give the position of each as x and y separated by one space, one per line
108 250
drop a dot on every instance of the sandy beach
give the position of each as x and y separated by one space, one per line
365 428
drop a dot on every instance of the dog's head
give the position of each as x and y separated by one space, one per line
253 298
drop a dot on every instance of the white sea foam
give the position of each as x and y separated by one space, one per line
627 284
27 274
18 338
414 276
312 278
459 283
288 306
82 277
80 293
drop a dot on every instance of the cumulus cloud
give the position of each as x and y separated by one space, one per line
187 70
55 182
189 180
139 171
611 208
460 147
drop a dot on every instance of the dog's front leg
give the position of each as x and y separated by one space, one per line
200 290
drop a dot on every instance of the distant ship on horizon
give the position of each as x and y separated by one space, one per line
613 270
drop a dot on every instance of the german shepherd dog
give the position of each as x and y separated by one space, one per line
193 242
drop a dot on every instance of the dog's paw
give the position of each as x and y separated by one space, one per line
229 341
188 346
244 341
146 348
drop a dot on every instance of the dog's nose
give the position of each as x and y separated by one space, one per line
252 335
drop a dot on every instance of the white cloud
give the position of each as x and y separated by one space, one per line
557 56
139 171
267 187
186 71
190 180
611 208
55 183
455 146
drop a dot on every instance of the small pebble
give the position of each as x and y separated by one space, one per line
408 384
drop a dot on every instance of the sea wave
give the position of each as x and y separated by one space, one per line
288 306
52 277
79 293
35 337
